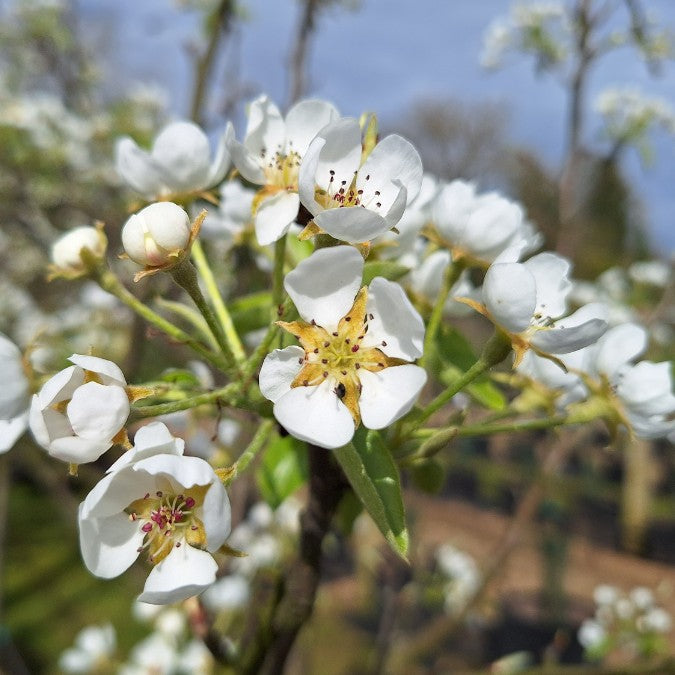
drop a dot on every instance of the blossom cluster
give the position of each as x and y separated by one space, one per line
632 623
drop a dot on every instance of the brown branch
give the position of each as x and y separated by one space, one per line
267 643
220 26
306 27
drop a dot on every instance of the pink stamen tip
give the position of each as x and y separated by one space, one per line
355 348
147 495
190 502
158 493
147 527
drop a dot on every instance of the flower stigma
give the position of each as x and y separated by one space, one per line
167 520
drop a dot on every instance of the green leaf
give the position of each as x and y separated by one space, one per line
457 356
251 311
374 477
282 471
428 476
181 377
383 268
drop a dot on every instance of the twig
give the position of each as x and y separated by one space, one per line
297 68
221 23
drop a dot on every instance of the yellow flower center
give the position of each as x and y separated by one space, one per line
281 169
338 356
169 520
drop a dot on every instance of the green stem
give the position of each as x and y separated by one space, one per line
450 277
185 275
278 276
223 315
496 350
109 282
230 395
257 443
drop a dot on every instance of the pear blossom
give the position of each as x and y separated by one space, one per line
527 300
93 650
66 251
354 201
271 155
402 245
157 235
354 362
426 279
642 393
80 412
179 162
233 215
481 227
14 394
173 506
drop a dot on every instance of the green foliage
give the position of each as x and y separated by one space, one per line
282 471
383 268
374 476
456 356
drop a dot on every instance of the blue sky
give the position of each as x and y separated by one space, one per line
383 57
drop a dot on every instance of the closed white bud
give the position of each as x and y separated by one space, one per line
66 251
156 235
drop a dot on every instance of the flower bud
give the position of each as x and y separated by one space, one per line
67 250
157 235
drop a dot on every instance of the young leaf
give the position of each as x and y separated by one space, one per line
374 476
282 471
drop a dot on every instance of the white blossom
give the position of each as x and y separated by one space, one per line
157 235
179 162
79 411
66 251
173 506
271 155
93 650
14 394
353 365
357 202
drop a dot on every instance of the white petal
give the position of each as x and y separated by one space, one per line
550 272
562 340
109 372
389 394
315 415
278 371
491 226
78 450
619 346
451 210
98 411
60 387
216 515
352 224
248 164
220 163
38 422
14 391
307 176
266 129
304 121
182 153
11 430
109 545
183 472
340 153
137 168
510 294
323 286
152 439
275 215
185 572
646 388
392 164
395 321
